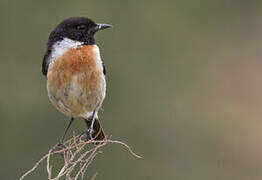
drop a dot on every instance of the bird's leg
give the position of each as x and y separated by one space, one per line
98 133
90 127
92 124
86 132
61 141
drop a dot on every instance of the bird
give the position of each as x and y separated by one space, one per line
75 73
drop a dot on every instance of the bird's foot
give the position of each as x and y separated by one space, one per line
58 146
88 134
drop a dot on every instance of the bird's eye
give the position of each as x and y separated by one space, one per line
81 27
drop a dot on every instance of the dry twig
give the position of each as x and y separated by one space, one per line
78 154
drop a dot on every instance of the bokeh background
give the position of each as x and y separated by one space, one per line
184 87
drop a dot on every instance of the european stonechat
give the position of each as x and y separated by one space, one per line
75 72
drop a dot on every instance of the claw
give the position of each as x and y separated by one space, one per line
88 134
58 147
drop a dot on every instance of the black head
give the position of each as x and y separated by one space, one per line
80 29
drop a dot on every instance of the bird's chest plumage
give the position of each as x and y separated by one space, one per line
75 81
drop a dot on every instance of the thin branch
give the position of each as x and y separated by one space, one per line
78 155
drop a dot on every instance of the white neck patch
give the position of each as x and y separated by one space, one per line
62 46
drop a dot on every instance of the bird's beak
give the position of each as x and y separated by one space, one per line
103 26
99 27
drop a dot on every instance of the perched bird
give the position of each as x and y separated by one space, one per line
75 72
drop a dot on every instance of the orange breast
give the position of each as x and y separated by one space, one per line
81 62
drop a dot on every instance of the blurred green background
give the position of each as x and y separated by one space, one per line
184 87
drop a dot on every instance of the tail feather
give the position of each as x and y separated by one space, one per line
98 132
